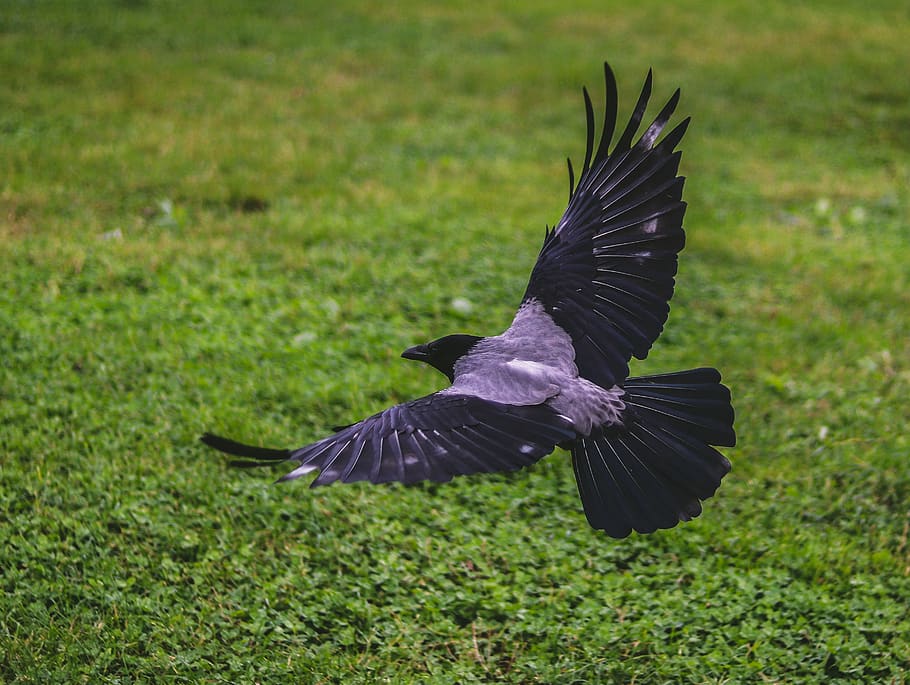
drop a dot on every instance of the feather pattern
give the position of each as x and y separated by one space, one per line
606 271
432 438
653 470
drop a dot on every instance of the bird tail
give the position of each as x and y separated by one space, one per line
262 456
652 471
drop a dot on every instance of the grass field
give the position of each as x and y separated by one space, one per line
236 219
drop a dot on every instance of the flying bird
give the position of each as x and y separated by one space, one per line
642 448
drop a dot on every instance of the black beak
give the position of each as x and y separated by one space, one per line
418 353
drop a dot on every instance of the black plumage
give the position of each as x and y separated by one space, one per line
606 272
432 438
653 471
642 448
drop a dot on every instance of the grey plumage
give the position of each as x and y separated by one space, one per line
533 362
598 295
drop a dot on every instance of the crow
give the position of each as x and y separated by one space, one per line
642 448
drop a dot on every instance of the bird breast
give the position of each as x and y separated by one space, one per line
512 381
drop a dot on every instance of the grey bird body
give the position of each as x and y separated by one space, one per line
642 448
533 362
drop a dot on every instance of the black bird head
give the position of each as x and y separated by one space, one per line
442 354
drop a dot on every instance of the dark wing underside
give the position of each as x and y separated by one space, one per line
432 438
606 272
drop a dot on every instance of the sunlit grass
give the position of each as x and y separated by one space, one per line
236 220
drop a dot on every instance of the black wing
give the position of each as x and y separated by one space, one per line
606 272
432 438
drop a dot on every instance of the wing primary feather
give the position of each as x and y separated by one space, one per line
625 140
328 472
611 98
589 145
238 449
571 177
671 140
660 121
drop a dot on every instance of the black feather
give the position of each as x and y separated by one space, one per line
606 273
589 145
609 125
238 449
431 438
653 470
571 177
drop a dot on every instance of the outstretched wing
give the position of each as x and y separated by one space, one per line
432 438
606 272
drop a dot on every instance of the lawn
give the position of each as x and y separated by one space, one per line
236 219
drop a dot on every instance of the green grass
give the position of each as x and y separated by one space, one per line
236 219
